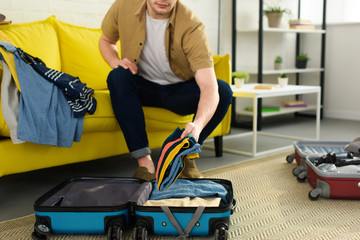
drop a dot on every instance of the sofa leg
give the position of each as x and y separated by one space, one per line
218 146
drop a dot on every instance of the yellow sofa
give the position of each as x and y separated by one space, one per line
74 50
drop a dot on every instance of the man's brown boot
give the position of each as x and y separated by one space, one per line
144 174
190 169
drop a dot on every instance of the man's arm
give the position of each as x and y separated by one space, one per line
109 52
209 100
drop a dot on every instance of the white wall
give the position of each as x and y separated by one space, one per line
342 89
337 11
89 13
342 81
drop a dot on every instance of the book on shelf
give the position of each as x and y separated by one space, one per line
306 27
266 86
265 109
294 104
298 105
299 21
301 24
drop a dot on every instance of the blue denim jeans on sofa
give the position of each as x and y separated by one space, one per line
130 92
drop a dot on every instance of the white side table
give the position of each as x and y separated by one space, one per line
248 91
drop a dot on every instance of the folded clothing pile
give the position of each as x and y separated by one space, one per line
171 159
186 192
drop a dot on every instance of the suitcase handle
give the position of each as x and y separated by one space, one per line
191 223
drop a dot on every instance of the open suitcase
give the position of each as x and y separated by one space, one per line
87 205
186 221
303 149
329 181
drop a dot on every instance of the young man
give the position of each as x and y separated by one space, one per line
165 62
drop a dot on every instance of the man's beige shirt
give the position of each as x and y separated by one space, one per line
186 43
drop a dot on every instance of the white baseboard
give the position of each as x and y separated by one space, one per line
342 115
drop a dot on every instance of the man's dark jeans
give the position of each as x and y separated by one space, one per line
130 92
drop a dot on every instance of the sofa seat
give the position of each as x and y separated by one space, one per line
156 119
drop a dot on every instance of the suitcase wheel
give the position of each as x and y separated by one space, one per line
295 171
140 233
290 158
114 233
41 228
298 170
221 232
314 194
301 177
37 236
115 230
141 230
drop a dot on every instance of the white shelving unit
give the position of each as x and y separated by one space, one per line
248 91
290 70
281 30
261 72
283 110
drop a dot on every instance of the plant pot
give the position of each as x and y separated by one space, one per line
274 19
301 63
2 17
277 66
283 82
239 82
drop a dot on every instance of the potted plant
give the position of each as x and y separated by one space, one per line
274 15
277 62
301 60
240 78
283 80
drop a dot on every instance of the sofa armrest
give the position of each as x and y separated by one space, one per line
222 67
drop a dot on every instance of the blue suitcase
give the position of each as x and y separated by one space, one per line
93 205
88 206
186 221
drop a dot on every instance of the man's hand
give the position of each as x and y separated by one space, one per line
192 128
124 63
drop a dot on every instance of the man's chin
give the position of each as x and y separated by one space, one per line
162 11
163 14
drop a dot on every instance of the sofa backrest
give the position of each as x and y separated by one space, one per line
36 38
80 54
64 47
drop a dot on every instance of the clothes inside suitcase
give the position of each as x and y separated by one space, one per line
302 149
109 205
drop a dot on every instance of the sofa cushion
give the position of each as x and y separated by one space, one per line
36 38
80 54
157 119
